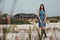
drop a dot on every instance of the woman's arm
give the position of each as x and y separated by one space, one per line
45 17
39 16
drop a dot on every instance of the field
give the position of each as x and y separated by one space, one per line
29 32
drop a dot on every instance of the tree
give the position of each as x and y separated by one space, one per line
4 18
4 15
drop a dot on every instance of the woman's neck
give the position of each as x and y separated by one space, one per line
41 9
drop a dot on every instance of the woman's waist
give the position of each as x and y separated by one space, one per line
42 18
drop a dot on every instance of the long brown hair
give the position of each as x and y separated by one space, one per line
43 7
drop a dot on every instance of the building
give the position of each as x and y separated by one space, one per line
23 16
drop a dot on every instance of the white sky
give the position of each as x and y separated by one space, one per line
31 6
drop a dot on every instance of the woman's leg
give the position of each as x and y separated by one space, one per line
43 32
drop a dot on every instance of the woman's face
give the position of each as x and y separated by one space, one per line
41 7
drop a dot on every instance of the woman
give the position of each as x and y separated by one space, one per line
42 19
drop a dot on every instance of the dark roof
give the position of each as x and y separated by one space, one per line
26 15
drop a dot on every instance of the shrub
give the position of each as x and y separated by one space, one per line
19 22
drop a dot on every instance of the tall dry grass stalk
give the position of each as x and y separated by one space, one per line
38 32
29 33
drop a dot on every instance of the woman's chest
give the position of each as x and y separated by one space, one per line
42 13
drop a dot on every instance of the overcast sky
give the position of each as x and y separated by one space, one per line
52 7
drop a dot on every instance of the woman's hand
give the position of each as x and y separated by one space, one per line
44 21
